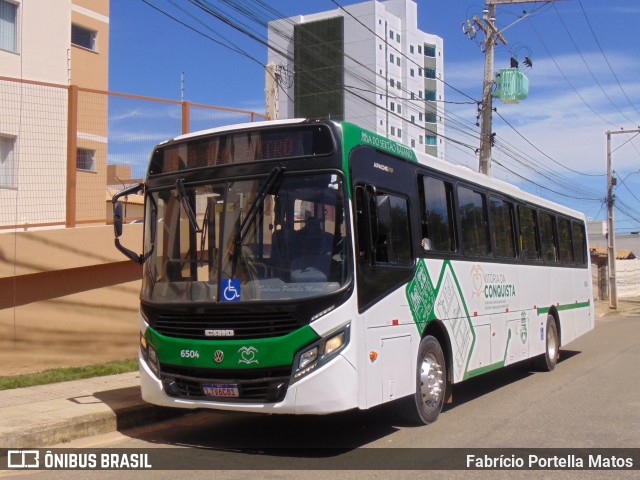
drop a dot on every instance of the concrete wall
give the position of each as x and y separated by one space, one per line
67 297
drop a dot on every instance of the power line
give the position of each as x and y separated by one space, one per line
547 156
589 68
605 57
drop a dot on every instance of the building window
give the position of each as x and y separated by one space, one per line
410 48
399 108
430 73
430 50
411 72
413 119
430 95
413 95
431 140
86 159
392 82
8 26
419 49
431 117
420 93
398 61
391 57
399 85
420 71
391 34
420 116
413 143
398 37
399 133
393 131
421 139
393 107
7 161
83 37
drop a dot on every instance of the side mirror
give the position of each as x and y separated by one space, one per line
118 219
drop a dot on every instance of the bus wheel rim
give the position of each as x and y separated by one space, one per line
431 381
552 341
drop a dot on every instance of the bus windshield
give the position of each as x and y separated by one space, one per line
274 237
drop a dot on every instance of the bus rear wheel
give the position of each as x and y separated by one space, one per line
548 360
425 405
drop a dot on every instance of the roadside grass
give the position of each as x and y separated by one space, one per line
71 373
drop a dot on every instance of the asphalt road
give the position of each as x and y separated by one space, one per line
591 400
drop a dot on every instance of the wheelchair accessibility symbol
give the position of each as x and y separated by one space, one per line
231 290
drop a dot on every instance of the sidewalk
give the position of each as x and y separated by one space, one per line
49 414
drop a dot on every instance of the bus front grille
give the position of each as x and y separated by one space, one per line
259 385
229 326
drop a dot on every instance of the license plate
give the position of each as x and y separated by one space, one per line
221 390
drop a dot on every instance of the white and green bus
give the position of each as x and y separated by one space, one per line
310 267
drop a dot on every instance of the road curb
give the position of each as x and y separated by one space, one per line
87 425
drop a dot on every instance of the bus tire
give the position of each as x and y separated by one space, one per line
425 405
548 360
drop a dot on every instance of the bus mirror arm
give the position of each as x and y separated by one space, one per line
118 219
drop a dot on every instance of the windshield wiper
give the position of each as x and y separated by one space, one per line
184 201
243 229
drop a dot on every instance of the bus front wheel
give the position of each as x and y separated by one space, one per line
425 405
548 360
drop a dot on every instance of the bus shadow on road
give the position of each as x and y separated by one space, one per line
313 436
481 385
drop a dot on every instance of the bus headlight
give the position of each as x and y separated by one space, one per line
320 352
308 357
334 343
150 355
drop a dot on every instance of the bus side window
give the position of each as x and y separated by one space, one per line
579 243
437 214
548 238
502 227
528 238
392 230
564 237
473 222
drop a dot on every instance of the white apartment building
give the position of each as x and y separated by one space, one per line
391 71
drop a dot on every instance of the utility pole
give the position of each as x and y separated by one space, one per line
271 90
492 36
611 234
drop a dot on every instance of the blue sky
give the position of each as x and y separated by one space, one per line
584 81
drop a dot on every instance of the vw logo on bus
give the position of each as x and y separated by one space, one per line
218 356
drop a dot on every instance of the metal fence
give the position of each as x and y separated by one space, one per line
65 149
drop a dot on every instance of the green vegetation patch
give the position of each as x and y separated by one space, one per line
65 374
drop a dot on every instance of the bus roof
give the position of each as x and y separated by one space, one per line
238 126
463 172
458 171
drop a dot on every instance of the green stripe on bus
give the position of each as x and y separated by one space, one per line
493 366
569 306
230 354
